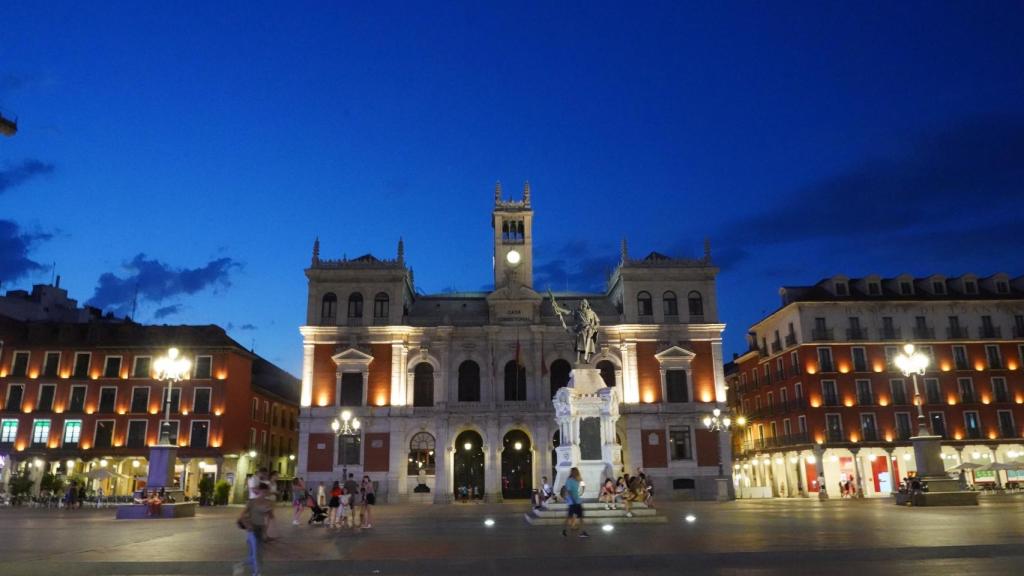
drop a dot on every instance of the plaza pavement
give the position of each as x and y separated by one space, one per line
737 538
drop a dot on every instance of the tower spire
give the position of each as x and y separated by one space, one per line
526 194
497 192
624 251
316 250
401 250
707 250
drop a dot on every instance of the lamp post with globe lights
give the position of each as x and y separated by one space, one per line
170 368
717 422
345 426
941 489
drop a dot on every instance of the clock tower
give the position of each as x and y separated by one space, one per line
512 221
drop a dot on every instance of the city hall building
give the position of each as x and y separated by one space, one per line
824 399
454 391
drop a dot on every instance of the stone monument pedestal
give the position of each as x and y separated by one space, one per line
942 490
161 475
586 412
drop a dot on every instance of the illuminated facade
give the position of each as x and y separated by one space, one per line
822 396
77 396
454 391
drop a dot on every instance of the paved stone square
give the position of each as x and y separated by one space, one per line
744 537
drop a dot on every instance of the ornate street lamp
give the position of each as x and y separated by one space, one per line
171 368
347 427
717 422
912 364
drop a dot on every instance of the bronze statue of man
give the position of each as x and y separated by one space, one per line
585 327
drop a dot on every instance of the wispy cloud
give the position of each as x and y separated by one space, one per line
15 174
166 311
156 281
575 265
15 245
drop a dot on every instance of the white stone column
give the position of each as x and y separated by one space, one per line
630 377
442 464
306 398
399 357
716 359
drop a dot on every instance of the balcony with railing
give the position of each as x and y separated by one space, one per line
1007 431
856 333
892 333
1018 331
775 442
834 436
790 340
956 332
776 347
869 434
990 332
822 335
924 333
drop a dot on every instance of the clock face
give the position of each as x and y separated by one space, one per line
512 257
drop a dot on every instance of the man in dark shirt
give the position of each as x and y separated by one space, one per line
351 492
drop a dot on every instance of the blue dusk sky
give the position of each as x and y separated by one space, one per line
195 149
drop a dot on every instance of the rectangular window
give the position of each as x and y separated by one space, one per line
255 408
787 428
14 397
140 400
888 328
349 448
137 433
972 424
902 425
801 424
874 288
771 401
266 411
679 440
252 438
932 390
766 369
938 420
780 368
798 391
899 391
830 396
994 357
51 363
351 389
794 361
204 367
868 428
108 397
46 392
864 394
1006 427
175 400
104 437
201 400
19 366
72 433
784 398
999 389
906 289
112 367
939 287
40 433
675 386
200 434
8 431
966 386
890 358
860 359
825 359
76 403
834 427
774 429
141 367
81 369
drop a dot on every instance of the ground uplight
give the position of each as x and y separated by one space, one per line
690 518
489 522
607 527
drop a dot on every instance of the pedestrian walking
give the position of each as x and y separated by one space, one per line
369 499
574 517
298 499
254 520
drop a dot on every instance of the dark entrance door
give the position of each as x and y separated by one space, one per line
516 465
469 466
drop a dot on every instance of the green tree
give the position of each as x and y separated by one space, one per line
221 493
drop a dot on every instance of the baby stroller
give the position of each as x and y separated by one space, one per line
319 514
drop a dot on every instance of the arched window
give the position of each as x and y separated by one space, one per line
515 382
670 304
423 385
643 304
421 454
380 305
355 305
559 375
469 381
696 304
607 372
329 306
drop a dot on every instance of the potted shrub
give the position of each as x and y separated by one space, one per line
221 491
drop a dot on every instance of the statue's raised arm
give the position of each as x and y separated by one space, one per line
558 309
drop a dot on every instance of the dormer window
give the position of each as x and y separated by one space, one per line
906 289
1002 287
874 288
939 287
970 286
841 289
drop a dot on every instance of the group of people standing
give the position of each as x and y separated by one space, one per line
342 502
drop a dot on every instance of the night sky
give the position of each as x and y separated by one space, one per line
194 151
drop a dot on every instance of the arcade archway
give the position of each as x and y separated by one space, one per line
516 465
468 477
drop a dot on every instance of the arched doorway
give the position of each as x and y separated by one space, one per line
516 465
607 372
468 475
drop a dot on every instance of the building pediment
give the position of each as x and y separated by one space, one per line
675 355
352 358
